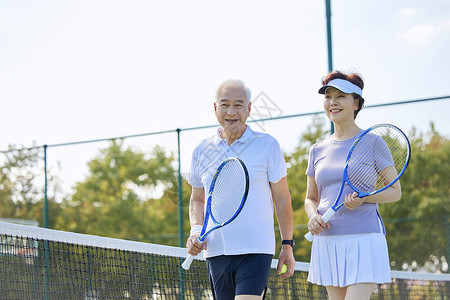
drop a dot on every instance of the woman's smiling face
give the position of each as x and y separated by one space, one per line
339 106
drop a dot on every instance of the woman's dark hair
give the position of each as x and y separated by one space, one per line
354 78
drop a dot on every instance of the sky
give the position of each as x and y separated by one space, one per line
75 70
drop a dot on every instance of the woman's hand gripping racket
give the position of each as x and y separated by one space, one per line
227 195
376 160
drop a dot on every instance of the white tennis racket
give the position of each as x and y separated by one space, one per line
227 195
376 160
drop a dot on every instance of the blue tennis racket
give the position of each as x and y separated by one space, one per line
226 198
376 160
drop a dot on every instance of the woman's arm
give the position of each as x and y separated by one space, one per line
391 194
315 224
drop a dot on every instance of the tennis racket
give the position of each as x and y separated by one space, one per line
226 197
376 160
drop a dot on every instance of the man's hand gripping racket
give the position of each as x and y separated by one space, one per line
376 160
226 197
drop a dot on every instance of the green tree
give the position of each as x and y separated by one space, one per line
127 194
297 162
22 185
421 218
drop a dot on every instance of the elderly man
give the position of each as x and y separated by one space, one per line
239 255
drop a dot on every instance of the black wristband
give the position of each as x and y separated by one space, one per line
288 242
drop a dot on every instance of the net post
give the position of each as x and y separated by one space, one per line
46 269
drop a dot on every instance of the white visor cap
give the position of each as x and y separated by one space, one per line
342 85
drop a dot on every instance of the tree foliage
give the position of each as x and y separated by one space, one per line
127 194
297 162
22 185
421 218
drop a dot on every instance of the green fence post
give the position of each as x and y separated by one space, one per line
46 246
330 51
447 231
45 189
180 216
180 195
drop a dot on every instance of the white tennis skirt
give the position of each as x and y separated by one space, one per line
342 260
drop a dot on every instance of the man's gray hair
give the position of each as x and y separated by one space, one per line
234 83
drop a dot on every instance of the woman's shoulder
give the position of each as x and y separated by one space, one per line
321 144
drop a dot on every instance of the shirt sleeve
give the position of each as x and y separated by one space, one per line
277 165
310 171
194 176
383 158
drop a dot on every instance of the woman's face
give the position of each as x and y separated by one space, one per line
339 106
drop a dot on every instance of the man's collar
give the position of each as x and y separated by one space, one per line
245 138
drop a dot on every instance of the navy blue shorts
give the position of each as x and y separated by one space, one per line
232 275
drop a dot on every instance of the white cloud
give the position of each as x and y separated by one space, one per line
407 12
444 25
418 35
421 34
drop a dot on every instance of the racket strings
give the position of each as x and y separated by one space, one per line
228 192
377 159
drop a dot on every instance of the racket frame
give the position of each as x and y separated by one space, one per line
208 215
332 210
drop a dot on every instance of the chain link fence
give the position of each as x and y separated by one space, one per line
45 183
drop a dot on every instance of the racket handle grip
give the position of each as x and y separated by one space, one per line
326 217
309 236
187 262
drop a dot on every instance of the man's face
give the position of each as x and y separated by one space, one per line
232 109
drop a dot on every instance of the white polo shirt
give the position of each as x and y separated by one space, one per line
253 229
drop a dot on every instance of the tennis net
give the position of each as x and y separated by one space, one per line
37 263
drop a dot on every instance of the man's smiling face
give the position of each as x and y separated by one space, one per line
232 109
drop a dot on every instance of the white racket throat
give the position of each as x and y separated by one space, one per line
326 217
